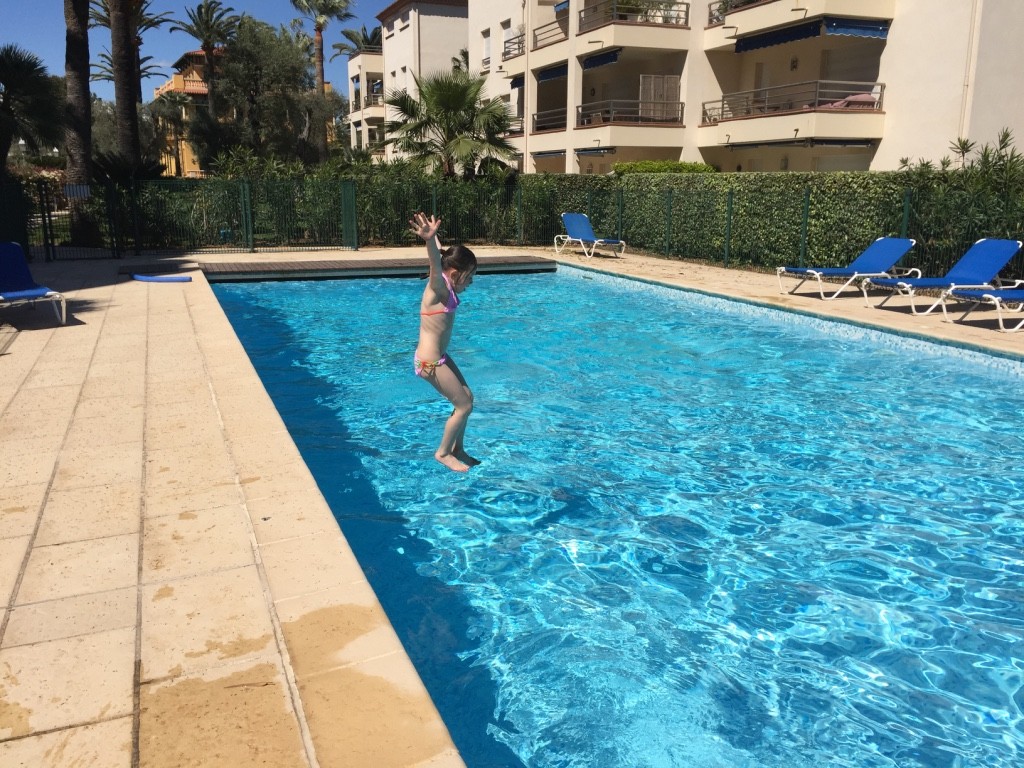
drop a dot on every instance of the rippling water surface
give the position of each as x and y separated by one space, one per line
704 534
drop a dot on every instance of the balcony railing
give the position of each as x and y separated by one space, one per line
718 8
371 100
815 94
515 126
633 112
514 46
551 33
635 12
550 120
367 49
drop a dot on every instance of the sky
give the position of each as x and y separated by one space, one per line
37 26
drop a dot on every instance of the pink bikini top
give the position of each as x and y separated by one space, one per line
451 304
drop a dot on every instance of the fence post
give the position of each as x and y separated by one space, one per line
433 201
136 216
803 225
248 225
905 224
619 204
45 220
728 226
521 232
349 219
668 220
590 204
110 192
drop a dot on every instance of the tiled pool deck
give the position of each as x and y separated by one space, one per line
175 590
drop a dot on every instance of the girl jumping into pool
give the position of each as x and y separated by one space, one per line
451 272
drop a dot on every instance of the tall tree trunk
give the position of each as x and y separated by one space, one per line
209 75
318 57
78 134
122 57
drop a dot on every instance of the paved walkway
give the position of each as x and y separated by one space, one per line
175 590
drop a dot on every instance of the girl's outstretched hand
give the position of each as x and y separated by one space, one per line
424 227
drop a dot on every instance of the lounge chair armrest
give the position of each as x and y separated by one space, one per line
906 272
1009 284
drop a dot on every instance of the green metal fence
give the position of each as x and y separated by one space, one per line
750 225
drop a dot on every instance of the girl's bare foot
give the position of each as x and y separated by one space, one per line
451 462
465 458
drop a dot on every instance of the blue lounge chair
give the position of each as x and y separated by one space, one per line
1010 298
877 260
18 287
978 268
578 230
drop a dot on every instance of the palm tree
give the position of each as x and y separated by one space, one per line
451 124
122 59
211 24
320 12
140 20
30 106
358 40
462 60
104 68
78 103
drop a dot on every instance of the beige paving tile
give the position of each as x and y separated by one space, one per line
204 621
71 616
290 476
374 714
173 470
19 424
106 407
97 465
196 427
309 564
80 568
193 498
288 515
12 555
190 543
68 682
91 512
100 745
228 717
19 509
28 461
336 628
45 398
124 426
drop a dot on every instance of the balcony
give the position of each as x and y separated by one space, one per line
514 46
551 33
549 120
629 112
832 95
634 12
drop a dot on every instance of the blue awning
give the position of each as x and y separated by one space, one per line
563 6
856 27
549 153
562 70
779 36
600 59
596 151
518 81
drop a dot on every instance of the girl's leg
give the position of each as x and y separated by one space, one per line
459 450
448 381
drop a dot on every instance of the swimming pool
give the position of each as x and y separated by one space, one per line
705 533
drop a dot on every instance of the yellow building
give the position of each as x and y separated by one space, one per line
177 154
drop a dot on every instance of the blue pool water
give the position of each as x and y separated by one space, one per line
705 534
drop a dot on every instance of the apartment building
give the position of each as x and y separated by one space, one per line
418 38
744 85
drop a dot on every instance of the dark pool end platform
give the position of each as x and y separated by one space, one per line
356 268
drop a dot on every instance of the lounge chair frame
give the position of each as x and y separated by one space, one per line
1001 251
17 287
578 230
1009 299
848 275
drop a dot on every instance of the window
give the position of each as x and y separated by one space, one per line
485 60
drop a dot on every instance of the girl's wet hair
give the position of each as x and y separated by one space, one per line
459 258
